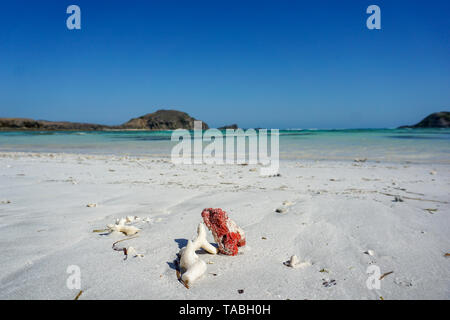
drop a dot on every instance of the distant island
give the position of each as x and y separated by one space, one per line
162 120
159 120
165 120
434 120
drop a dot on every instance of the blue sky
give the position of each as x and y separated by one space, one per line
275 64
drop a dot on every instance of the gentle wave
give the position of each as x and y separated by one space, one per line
423 145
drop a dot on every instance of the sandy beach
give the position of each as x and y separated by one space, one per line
340 217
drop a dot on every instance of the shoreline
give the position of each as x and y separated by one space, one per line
149 156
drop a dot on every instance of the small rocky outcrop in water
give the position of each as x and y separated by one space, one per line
231 126
163 120
159 120
434 120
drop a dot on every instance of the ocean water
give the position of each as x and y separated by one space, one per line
392 145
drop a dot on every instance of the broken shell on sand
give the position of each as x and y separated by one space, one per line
127 230
294 262
132 252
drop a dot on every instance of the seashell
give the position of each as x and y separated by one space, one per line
132 252
294 262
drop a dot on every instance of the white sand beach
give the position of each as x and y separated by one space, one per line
334 212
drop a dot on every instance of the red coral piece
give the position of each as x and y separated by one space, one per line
225 231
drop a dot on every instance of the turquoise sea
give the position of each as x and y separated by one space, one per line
392 145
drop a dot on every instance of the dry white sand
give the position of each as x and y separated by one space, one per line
339 211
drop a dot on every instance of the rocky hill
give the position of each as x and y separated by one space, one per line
163 120
159 120
434 120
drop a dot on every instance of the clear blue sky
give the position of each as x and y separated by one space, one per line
275 64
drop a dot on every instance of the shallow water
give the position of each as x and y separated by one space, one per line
393 145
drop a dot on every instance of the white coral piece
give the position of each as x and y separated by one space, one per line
188 256
194 272
128 230
121 221
127 219
202 242
130 219
121 226
189 260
